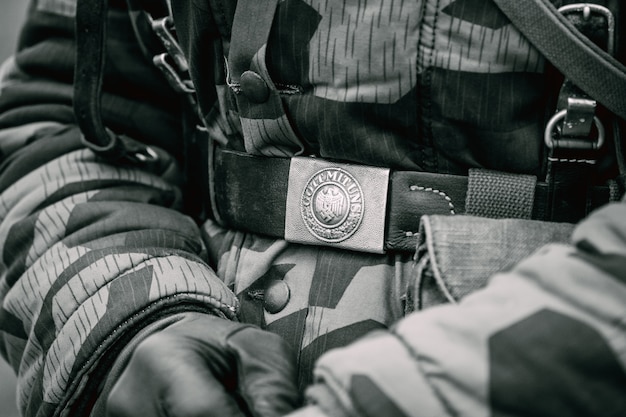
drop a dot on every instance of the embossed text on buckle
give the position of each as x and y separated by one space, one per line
334 204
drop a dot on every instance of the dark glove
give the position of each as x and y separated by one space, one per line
206 366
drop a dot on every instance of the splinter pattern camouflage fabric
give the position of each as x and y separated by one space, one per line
92 253
439 86
84 260
545 339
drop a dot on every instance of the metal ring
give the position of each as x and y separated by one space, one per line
560 116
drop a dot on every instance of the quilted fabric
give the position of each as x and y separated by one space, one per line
91 252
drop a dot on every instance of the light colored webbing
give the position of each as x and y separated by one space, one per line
500 195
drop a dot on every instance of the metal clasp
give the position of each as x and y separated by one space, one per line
172 62
570 142
571 127
164 28
124 149
176 81
587 9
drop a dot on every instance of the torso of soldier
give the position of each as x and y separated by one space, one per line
419 86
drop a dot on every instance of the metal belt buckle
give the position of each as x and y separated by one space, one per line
586 9
339 205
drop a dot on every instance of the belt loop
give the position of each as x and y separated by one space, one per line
500 195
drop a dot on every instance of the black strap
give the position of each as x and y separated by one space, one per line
91 22
91 19
593 70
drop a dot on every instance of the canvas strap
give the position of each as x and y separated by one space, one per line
593 70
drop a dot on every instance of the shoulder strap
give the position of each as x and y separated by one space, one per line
589 67
88 73
90 29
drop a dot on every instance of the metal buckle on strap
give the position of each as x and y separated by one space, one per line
174 78
587 9
335 204
164 28
172 62
572 143
571 127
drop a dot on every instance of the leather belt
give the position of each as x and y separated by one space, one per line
314 201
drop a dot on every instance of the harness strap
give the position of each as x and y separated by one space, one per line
91 34
593 70
91 17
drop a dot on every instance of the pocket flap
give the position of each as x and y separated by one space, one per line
461 253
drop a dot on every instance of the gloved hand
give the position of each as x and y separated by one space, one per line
207 366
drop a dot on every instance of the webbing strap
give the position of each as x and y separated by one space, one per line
587 65
500 195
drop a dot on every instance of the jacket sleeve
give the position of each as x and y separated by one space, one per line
546 338
91 253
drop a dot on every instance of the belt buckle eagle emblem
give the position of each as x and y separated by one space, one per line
332 205
336 204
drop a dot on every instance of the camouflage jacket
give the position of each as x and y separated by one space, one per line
94 253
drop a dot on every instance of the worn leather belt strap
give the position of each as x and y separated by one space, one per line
296 199
588 66
258 194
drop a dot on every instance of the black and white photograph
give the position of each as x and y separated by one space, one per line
312 208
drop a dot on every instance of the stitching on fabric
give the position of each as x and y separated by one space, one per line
287 89
434 261
582 161
155 305
419 266
614 191
435 191
425 109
